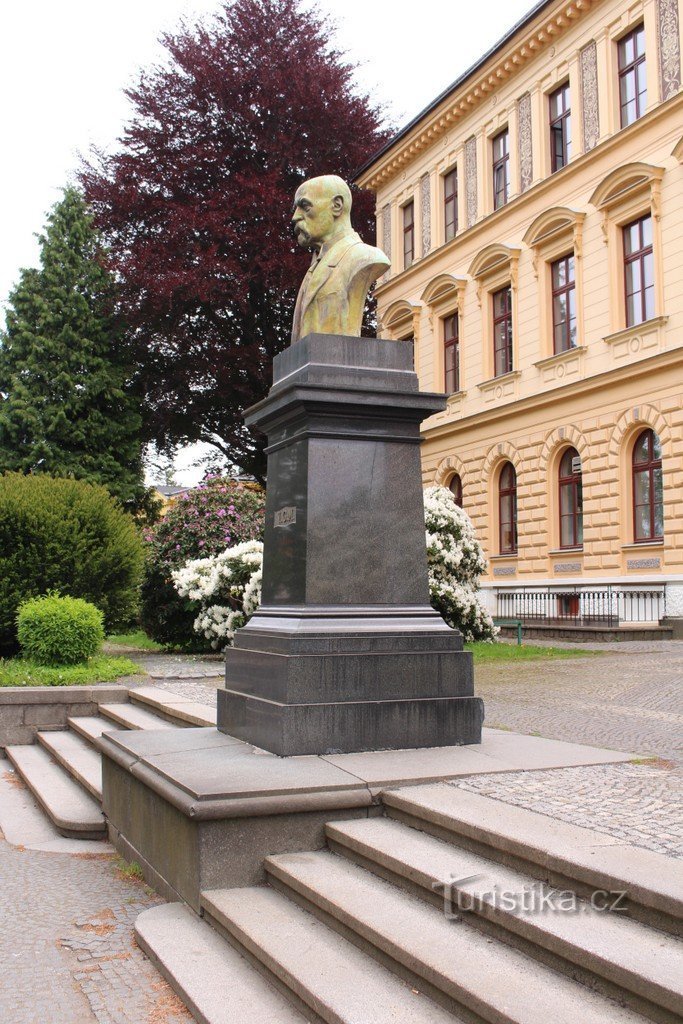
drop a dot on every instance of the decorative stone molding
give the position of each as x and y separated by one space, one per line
386 232
426 210
401 318
589 96
625 184
503 451
551 228
447 468
563 437
499 388
640 417
646 338
562 365
538 34
677 151
669 46
526 163
471 181
643 563
505 570
493 261
445 289
567 567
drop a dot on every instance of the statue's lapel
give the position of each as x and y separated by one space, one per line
327 264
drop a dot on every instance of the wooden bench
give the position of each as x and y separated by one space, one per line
513 623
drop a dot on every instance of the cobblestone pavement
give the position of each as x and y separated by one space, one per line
66 944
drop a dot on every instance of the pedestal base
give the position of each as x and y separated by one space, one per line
300 681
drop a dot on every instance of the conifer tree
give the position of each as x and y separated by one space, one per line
67 406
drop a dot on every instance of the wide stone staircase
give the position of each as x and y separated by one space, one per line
63 768
450 907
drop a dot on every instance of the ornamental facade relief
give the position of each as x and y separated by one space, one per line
589 96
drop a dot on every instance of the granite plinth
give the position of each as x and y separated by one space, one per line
345 652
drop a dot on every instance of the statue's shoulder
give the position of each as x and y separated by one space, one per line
362 255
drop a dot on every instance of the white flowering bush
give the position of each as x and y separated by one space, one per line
455 562
227 586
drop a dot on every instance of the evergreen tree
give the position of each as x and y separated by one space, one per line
67 406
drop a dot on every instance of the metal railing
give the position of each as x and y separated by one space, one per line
581 606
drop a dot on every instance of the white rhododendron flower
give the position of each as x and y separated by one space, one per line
227 587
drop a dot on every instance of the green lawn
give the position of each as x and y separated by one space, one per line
137 639
100 669
497 652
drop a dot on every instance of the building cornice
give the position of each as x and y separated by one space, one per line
507 59
615 375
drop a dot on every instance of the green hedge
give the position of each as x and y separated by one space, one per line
54 630
67 536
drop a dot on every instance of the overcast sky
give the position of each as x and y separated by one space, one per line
64 65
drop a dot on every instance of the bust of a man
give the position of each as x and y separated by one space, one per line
332 295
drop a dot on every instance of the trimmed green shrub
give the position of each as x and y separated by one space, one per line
203 522
68 536
54 630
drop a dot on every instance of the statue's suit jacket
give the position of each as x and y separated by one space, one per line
332 295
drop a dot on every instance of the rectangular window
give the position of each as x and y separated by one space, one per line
639 282
408 235
450 203
451 352
501 169
560 128
564 304
502 331
632 80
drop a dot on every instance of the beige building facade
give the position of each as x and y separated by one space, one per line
533 215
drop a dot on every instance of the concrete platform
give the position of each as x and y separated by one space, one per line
177 800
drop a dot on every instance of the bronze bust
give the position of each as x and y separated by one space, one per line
332 294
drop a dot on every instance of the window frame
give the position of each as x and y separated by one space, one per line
573 483
504 317
639 256
511 493
631 68
456 489
563 122
569 291
498 164
408 233
450 201
650 466
451 343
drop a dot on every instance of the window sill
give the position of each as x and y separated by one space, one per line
514 556
492 382
638 545
627 333
566 551
561 357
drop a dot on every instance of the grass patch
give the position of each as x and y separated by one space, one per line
100 669
496 652
128 869
138 639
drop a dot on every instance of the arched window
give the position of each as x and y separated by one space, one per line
571 500
648 504
455 487
507 510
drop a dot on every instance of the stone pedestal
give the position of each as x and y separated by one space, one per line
345 652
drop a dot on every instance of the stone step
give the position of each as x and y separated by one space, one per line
176 708
624 958
75 814
212 979
328 978
75 754
91 727
550 850
465 970
130 716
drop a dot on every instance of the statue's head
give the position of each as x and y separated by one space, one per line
322 208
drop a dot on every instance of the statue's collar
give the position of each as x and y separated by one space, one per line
332 253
